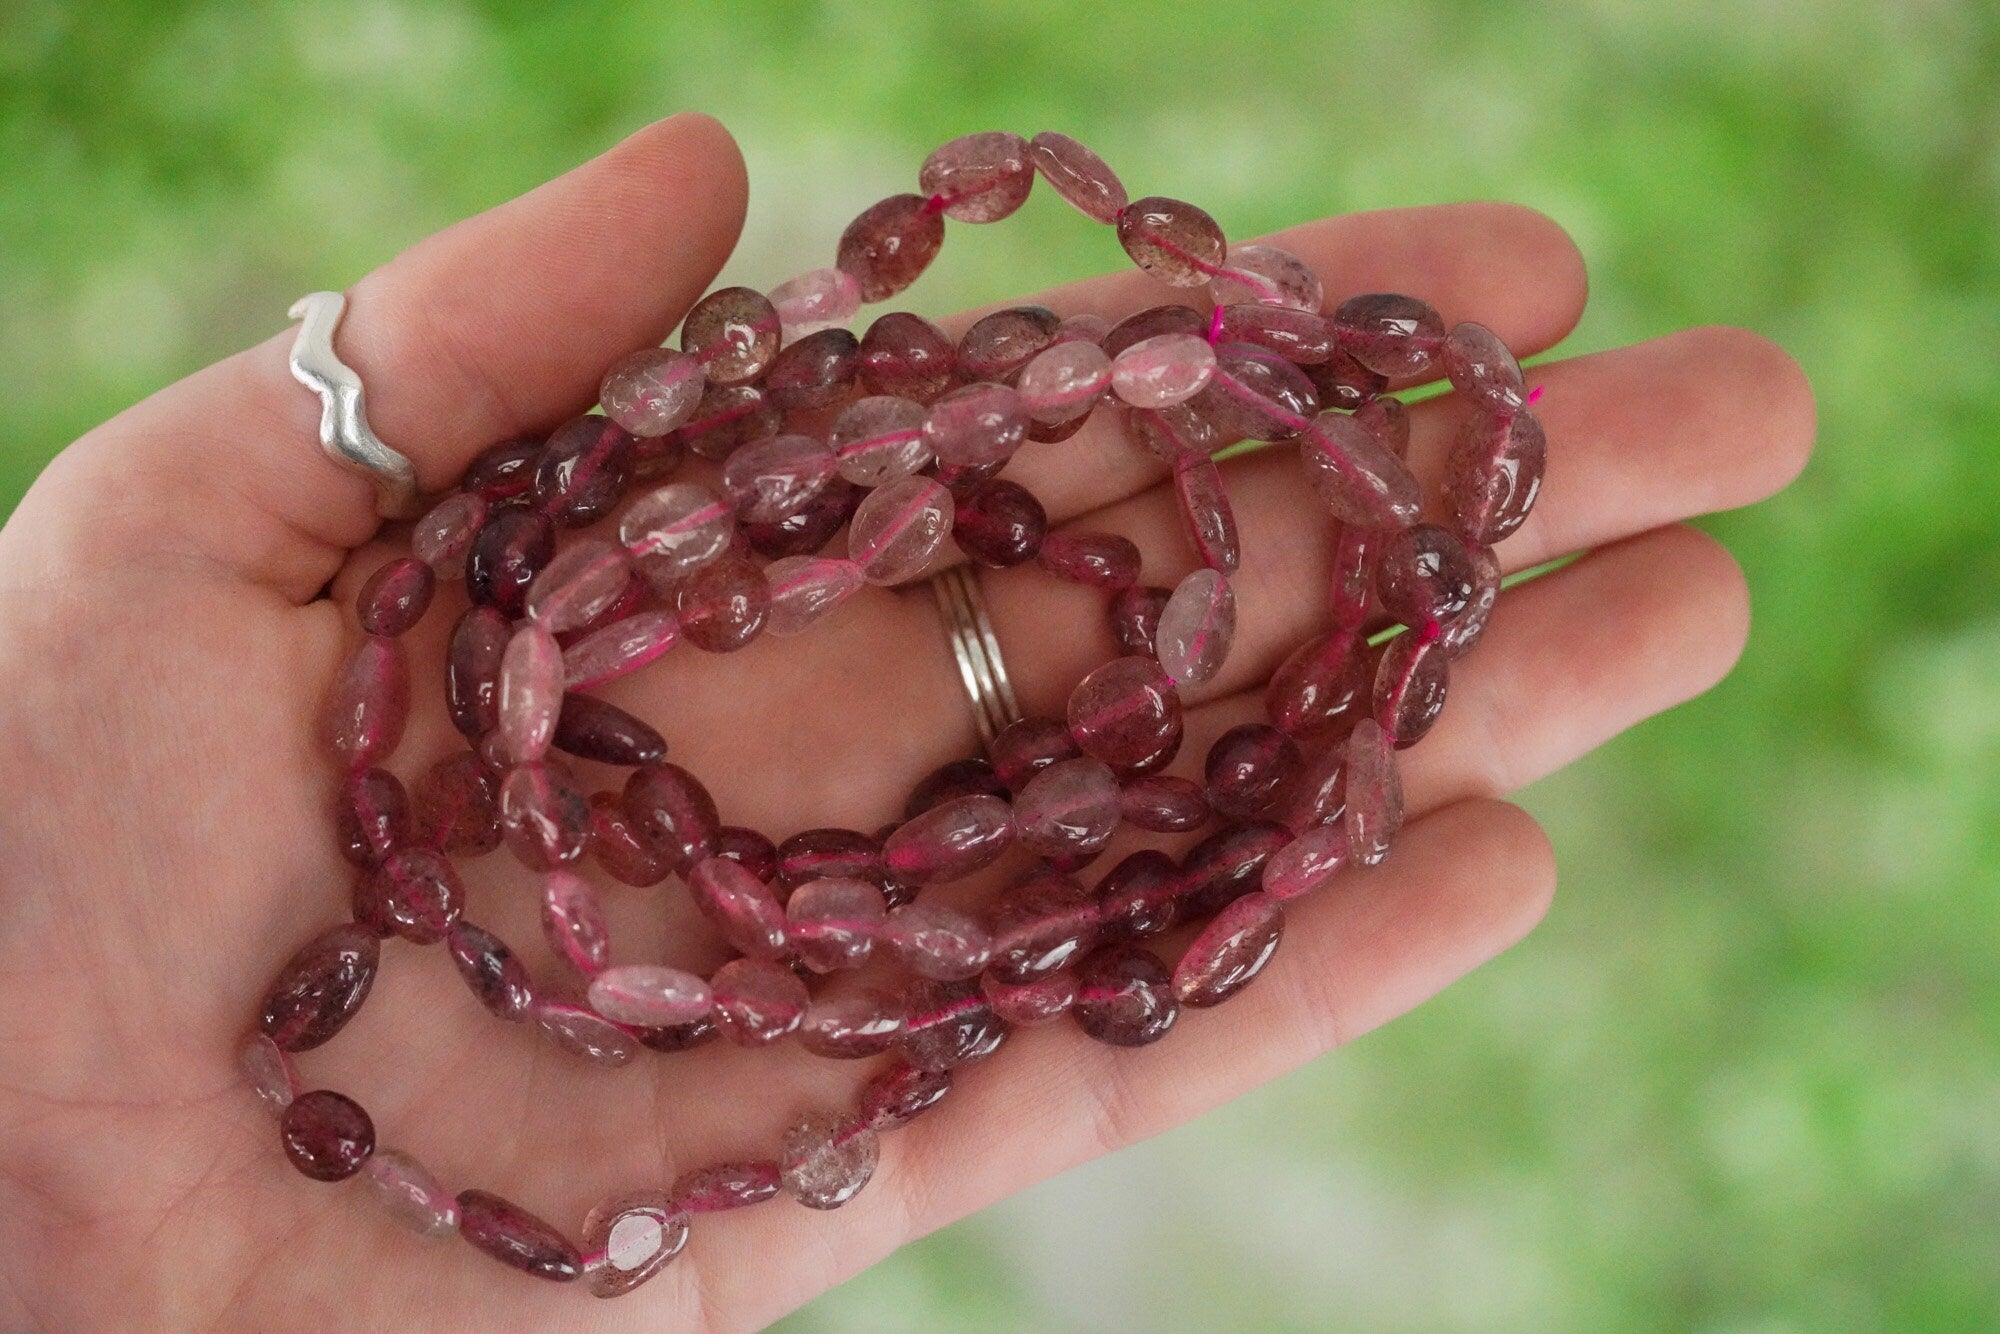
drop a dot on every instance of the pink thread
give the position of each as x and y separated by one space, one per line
1215 325
1534 395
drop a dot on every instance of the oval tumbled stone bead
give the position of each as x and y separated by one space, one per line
899 1094
595 729
1424 574
649 995
1374 793
733 333
741 906
653 390
1481 367
409 1194
1197 627
853 1025
515 1237
950 841
1068 808
936 940
1163 370
889 245
1078 175
1306 863
1125 711
318 991
827 1159
1040 925
495 973
396 597
1125 997
757 1001
1494 473
631 1238
1393 335
948 1024
1171 239
978 177
724 1186
674 812
326 1135
370 702
1230 951
898 528
1360 481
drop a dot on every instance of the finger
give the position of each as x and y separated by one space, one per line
1643 436
499 325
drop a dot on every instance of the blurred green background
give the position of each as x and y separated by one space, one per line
1747 1076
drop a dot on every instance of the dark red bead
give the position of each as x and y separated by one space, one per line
504 471
809 530
371 816
1316 690
726 417
749 849
724 604
814 372
1125 997
1028 746
673 812
1135 619
1000 523
457 806
1256 395
320 988
1102 560
1151 323
948 1024
708 1190
419 893
829 854
516 1238
1140 896
584 471
594 729
472 669
890 245
544 815
900 1094
681 1037
1343 382
906 355
997 346
1424 574
615 844
1225 866
1410 685
495 973
326 1135
396 597
1164 805
1247 768
959 778
1040 925
512 547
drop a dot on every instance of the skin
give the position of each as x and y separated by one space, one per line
166 641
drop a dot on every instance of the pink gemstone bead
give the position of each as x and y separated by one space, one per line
443 536
1226 865
999 523
1343 382
509 549
472 670
1125 997
1102 560
674 813
831 854
1248 768
900 1094
1083 327
1171 239
819 299
1135 619
1466 628
814 372
1317 796
495 973
948 1024
631 1238
320 988
877 439
1230 951
979 177
516 1238
1125 712
774 478
503 471
899 528
1388 420
592 729
1206 516
1176 436
1302 337
1064 381
653 390
648 995
1306 863
1069 808
1161 371
326 1135
410 1195
1423 574
1351 588
725 1186
1078 175
1266 275
616 846
1396 336
1316 690
675 530
834 922
1033 1002
852 1026
805 588
1028 746
1152 322
269 1072
531 691
976 425
741 906
581 583
827 1159
890 245
583 471
728 417
950 841
997 346
905 355
396 597
750 850
937 941
619 649
1483 369
1197 628
1163 804
1410 686
1140 896
1374 793
371 816
733 332
1360 481
419 894
573 921
724 605
1044 923
370 703
757 1001
1494 473
581 1033
1256 395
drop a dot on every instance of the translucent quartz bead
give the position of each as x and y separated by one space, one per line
583 471
1083 327
1151 323
395 597
1247 768
675 530
1036 1001
631 1238
1026 747
516 1238
733 332
442 537
1135 619
615 845
1000 524
1464 629
999 345
495 973
657 456
1064 381
1423 574
531 693
852 1026
649 995
1078 175
371 816
1396 336
581 1033
978 177
504 471
544 817
948 1024
370 703
1161 371
1177 436
1101 560
1343 382
1256 395
1351 587
750 850
581 583
829 854
269 1073
827 1159
805 588
877 439
900 1094
1140 896
320 987
889 245
1388 420
1318 795
898 528
1070 807
1170 239
1197 628
1374 793
592 729
950 781
727 418
907 356
725 1186
1207 517
1360 481
573 921
419 893
472 670
814 372
680 1037
1227 865
653 390
815 300
976 425
409 1194
1410 685
776 477
950 841
1299 336
1494 473
937 941
1230 951
742 907
1163 805
619 649
1124 711
1482 368
1306 863
833 923
507 553
326 1135
757 1001
1125 997
1266 275
724 605
1044 923
1316 690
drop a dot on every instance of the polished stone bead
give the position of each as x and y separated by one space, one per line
978 177
370 703
444 535
674 812
593 729
999 346
743 908
1125 711
581 1033
1152 322
806 532
724 605
1171 239
1197 628
472 670
900 1094
652 391
833 923
503 471
680 1037
396 597
1101 560
1464 629
1317 794
950 841
1374 793
1351 584
951 780
419 893
733 333
1163 804
269 1072
724 1186
320 988
771 479
1227 864
1135 619
1424 574
814 372
805 588
750 850
1317 689
1206 516
976 424
1410 686
371 816
544 816
1342 382
907 356
1301 337
326 1135
495 973
852 1025
409 1194
1125 997
948 1024
1079 175
899 528
1266 275
727 418
1027 746
1000 524
938 941
829 854
1177 436
578 585
1494 473
1255 395
583 471
1164 370
1140 896
827 1159
1247 769
1070 807
573 921
531 693
1482 368
1064 382
814 301
1360 481
889 245
516 1238
1230 951
658 456
1036 1001
650 995
757 1001
877 439
1396 336
1306 863
1043 923
675 530
1388 420
629 1239
619 649
616 846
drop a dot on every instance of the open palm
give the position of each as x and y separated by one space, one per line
165 646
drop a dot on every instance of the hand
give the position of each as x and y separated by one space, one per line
166 642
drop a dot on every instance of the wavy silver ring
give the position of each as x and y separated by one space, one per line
344 432
976 651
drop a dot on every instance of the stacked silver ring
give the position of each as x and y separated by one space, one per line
976 650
